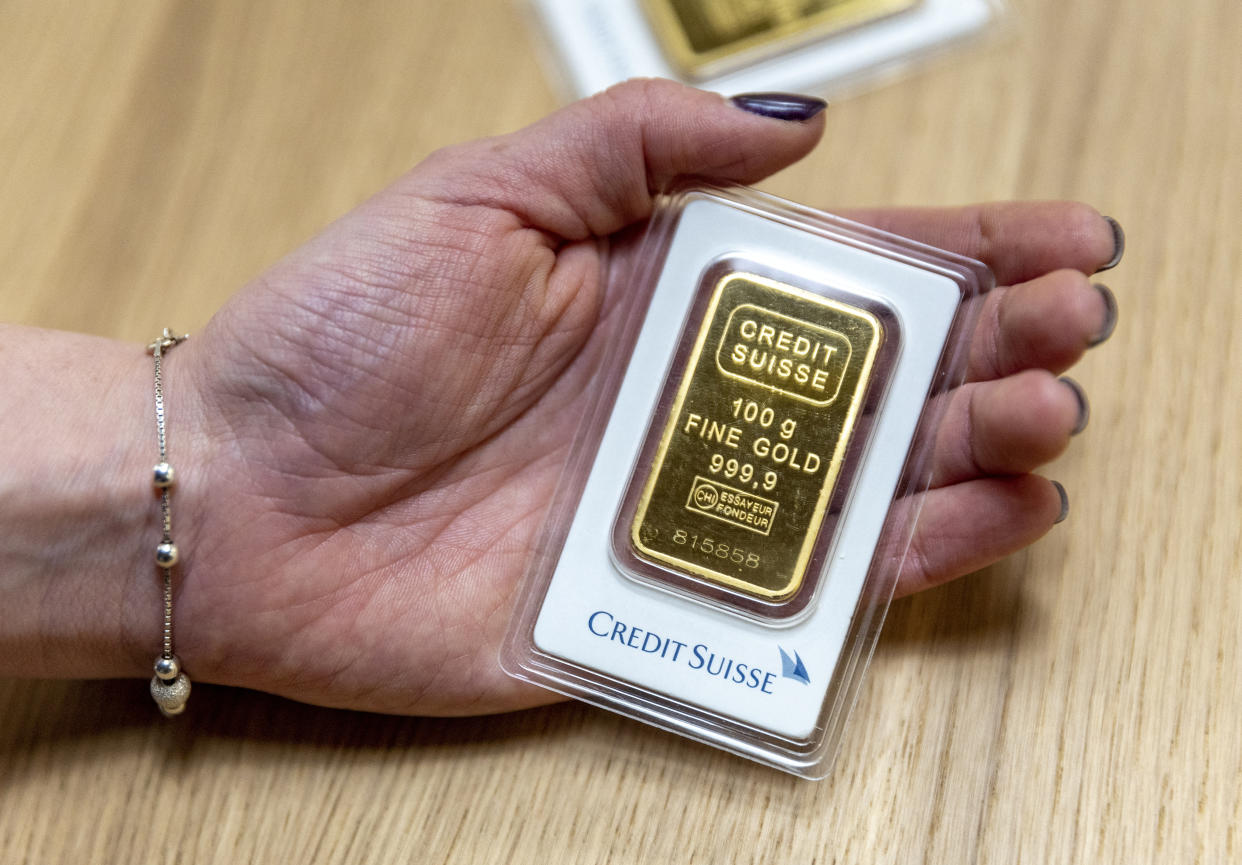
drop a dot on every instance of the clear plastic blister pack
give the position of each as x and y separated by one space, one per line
727 534
735 46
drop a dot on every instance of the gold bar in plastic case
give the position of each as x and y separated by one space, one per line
705 37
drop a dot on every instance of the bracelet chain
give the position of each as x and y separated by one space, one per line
170 687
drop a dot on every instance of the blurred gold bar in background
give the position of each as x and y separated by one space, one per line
708 37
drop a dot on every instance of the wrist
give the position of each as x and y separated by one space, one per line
78 580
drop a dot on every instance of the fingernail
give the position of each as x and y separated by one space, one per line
1084 409
1064 503
781 106
1119 244
1110 315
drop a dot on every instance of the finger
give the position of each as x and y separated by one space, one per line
1017 240
1046 323
1006 427
593 167
969 526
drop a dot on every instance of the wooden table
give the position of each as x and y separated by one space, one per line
1079 702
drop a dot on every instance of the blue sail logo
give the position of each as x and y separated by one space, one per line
793 668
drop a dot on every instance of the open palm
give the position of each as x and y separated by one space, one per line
384 415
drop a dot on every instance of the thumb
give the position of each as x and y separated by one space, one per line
593 167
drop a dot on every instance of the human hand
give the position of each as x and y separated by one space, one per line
380 420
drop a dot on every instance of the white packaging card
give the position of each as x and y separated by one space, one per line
599 43
772 676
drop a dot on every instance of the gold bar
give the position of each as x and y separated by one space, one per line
754 441
702 37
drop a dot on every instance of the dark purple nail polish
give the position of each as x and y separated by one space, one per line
1119 244
780 106
1084 408
1110 315
1064 503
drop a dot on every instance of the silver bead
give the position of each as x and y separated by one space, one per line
163 475
171 696
167 668
166 555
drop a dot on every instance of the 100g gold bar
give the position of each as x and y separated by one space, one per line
753 444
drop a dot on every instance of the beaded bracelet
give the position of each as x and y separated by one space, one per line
170 687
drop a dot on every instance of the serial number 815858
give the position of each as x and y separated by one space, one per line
715 548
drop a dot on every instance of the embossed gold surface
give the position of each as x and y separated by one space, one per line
701 34
754 440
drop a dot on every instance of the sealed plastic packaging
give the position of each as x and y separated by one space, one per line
736 46
727 534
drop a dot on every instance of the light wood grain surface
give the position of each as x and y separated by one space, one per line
1080 702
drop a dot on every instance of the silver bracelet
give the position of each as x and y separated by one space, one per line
170 687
